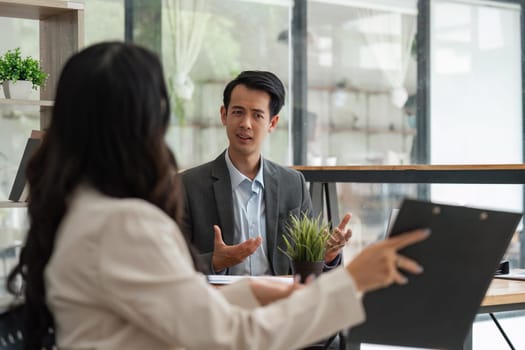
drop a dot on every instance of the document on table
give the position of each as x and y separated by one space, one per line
227 279
516 274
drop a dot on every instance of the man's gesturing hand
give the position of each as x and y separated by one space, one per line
225 255
338 239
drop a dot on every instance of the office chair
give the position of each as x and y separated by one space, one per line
11 330
11 321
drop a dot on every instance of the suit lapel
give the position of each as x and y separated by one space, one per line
222 188
271 201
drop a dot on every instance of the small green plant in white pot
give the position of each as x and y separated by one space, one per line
18 75
305 244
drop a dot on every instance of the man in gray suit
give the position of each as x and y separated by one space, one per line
237 206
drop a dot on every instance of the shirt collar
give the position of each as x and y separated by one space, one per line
237 177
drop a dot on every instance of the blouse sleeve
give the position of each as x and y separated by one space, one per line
240 294
148 279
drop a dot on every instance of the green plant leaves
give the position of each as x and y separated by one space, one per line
14 67
305 239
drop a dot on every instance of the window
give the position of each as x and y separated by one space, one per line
476 96
205 44
361 82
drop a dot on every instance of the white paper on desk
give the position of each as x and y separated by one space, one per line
228 279
513 275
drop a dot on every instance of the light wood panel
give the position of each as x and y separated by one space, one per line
61 35
503 292
422 167
8 204
17 102
36 9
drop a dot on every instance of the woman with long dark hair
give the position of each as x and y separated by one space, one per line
105 264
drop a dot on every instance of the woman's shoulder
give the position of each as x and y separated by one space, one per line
92 213
92 202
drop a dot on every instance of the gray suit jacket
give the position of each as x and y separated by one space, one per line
208 202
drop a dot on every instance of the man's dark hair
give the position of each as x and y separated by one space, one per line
258 80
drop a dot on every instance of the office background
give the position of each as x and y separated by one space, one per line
375 82
369 82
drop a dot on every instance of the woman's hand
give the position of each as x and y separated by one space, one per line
267 291
378 265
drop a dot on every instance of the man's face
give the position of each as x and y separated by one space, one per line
248 120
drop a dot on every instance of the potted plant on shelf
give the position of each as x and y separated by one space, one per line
18 75
305 244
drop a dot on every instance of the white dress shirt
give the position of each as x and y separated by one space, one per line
249 214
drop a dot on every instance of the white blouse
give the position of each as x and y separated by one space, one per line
121 277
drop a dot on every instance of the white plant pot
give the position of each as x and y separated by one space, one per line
20 89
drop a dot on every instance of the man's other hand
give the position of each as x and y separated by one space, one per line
340 235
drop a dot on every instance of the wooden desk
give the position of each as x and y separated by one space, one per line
504 295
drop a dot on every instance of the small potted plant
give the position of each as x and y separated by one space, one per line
18 75
305 240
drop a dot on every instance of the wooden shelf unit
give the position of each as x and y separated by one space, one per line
37 9
17 102
9 204
61 34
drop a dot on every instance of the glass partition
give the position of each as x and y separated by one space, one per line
205 44
373 204
361 81
476 104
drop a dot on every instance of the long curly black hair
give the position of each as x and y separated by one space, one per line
108 125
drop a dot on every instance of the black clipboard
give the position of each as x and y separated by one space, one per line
436 309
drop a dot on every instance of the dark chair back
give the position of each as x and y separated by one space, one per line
11 323
11 330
